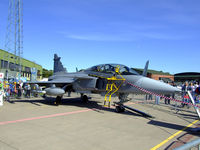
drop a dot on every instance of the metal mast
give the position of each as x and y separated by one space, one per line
14 33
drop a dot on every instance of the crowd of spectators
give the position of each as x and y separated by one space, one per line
17 89
193 88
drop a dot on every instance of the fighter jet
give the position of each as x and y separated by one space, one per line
104 79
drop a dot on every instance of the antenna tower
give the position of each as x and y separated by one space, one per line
14 33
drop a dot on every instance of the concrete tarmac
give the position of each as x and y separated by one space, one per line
35 123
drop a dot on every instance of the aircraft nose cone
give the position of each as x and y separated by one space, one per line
156 86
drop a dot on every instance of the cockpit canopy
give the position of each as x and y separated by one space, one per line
110 68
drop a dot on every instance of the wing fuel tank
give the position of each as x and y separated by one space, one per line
53 91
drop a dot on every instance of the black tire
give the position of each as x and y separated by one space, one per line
44 96
84 98
58 100
119 109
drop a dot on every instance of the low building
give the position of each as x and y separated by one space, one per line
157 75
9 65
187 76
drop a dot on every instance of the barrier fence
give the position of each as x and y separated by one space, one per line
169 98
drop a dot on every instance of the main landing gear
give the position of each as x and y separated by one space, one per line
58 100
84 98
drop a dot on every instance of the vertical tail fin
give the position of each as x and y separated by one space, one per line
58 66
145 69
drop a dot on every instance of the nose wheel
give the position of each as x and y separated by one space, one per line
119 109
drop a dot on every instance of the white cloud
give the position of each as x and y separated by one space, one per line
125 37
163 36
98 37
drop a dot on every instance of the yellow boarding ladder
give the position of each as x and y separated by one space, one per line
112 87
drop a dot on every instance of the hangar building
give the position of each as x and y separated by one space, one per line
10 67
187 76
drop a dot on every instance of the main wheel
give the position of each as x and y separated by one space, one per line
119 109
84 98
58 100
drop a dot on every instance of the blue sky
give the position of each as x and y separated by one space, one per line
89 32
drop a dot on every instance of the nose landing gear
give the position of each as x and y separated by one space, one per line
119 109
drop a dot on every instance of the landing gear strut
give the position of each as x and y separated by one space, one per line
58 100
